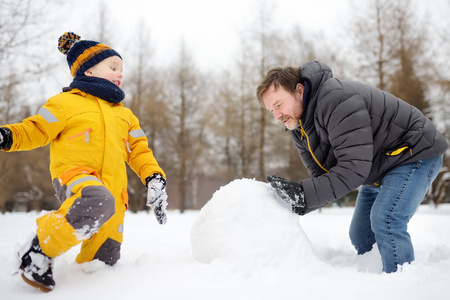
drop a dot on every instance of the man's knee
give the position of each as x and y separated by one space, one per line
109 252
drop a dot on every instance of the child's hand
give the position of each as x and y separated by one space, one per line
5 138
159 208
157 196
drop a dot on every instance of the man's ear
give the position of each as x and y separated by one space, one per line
299 87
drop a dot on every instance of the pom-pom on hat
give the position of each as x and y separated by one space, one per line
83 54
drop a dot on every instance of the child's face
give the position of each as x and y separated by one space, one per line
110 69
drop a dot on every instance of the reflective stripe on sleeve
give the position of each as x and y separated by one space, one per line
137 133
47 115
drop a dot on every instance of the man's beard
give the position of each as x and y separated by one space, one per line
292 124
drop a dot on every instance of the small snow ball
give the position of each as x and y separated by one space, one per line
247 225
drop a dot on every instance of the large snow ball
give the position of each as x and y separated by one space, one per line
246 224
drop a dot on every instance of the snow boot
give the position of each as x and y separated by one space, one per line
36 267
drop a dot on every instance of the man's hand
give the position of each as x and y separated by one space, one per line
290 192
157 196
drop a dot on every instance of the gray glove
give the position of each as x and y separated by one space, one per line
157 196
290 192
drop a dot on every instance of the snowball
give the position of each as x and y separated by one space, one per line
247 225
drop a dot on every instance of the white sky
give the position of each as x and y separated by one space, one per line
210 28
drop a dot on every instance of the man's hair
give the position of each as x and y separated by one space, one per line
287 77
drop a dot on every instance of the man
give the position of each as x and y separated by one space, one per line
348 135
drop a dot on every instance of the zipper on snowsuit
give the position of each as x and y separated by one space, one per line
127 145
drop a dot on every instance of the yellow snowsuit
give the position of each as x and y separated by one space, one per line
91 139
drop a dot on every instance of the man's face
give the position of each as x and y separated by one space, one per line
286 108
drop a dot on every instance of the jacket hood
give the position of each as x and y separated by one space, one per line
316 72
313 75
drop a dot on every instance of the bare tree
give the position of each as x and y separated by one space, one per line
405 82
238 129
138 95
375 41
98 22
187 107
263 37
23 26
224 129
392 43
104 23
249 133
257 58
146 96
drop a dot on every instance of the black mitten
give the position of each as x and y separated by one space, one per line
5 138
290 192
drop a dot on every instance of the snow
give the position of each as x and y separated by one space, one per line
242 225
244 244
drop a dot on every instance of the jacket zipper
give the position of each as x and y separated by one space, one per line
309 146
399 151
127 144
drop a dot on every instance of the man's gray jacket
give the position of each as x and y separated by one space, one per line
352 134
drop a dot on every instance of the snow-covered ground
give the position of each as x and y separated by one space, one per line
244 244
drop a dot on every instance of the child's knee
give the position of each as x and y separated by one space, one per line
91 210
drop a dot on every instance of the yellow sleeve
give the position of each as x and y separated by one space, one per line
141 159
38 130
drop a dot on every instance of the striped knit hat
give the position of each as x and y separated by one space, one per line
83 55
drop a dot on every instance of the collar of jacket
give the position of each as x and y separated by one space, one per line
313 74
99 87
84 94
306 85
305 100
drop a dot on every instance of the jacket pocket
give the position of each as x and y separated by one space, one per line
399 151
82 136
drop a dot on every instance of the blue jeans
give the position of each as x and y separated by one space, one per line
382 213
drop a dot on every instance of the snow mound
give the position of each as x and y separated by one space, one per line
439 254
247 225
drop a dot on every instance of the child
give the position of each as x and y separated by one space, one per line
92 136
